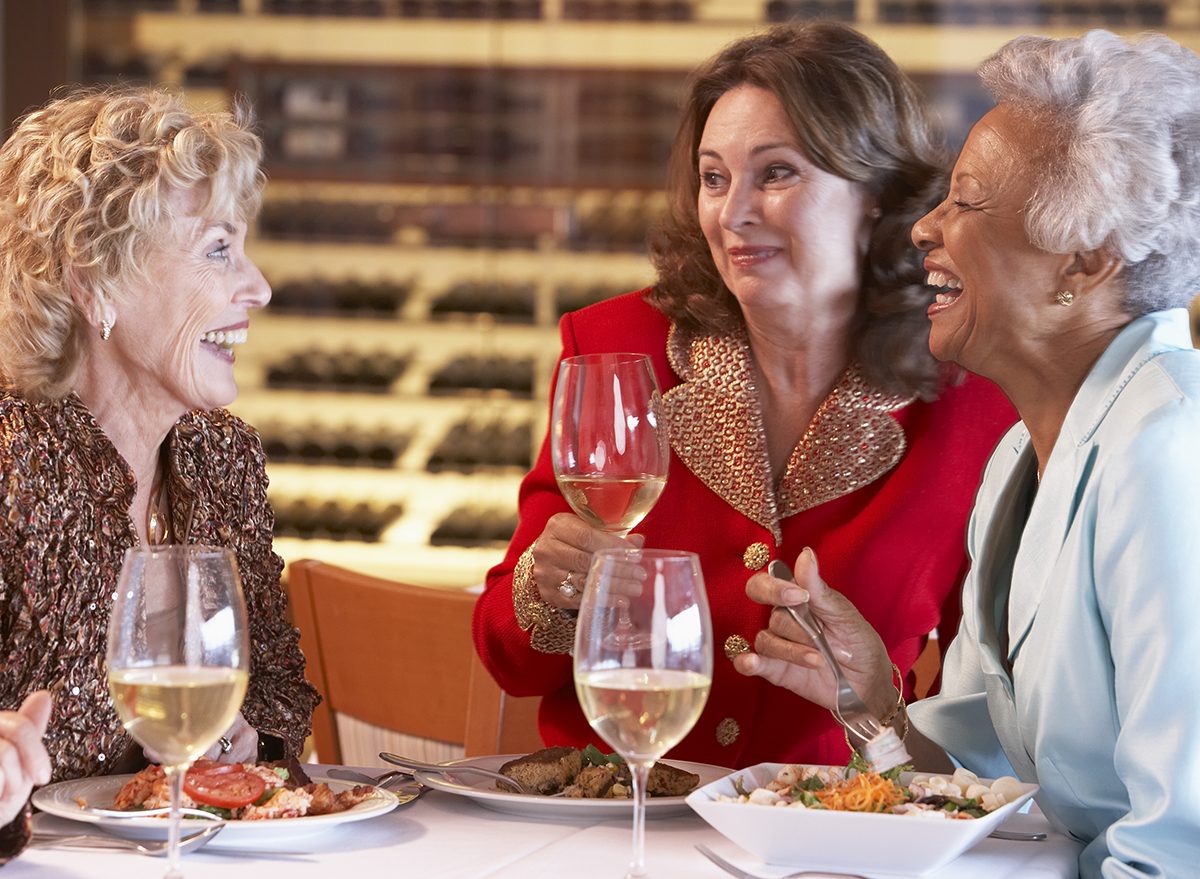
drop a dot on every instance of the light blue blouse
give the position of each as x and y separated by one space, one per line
1078 662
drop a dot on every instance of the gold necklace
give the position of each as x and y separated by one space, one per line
158 520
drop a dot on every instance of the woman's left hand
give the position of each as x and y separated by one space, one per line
243 743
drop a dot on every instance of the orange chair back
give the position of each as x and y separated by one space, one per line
400 656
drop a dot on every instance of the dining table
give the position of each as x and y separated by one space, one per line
448 836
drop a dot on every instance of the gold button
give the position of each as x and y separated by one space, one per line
727 731
756 556
735 645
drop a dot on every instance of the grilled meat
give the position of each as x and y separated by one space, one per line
592 782
546 771
670 781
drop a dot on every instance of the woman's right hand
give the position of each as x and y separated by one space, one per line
563 552
23 758
787 657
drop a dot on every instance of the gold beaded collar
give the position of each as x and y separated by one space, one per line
715 424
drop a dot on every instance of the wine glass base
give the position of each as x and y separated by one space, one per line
631 641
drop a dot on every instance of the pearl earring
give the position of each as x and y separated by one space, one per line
1064 297
105 329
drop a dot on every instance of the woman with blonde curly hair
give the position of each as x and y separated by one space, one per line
124 292
787 330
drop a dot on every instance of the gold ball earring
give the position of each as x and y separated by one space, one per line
1064 297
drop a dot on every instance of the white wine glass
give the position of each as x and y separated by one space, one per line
178 657
643 694
609 454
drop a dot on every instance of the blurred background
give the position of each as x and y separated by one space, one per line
447 178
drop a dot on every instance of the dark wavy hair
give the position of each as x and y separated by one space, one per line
856 115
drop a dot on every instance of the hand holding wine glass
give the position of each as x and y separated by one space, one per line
643 660
178 657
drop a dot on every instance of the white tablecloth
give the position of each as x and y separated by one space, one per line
450 837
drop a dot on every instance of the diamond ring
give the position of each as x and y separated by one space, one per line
567 588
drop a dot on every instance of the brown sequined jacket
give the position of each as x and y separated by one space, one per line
63 533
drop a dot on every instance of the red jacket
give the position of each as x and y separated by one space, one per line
891 537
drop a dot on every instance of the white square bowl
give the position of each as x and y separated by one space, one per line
826 840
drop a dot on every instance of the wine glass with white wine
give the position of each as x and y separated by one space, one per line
178 657
643 694
609 454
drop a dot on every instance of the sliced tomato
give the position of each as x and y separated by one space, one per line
204 766
224 785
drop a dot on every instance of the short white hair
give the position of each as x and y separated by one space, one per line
1122 168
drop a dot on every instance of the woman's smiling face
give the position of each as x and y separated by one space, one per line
782 232
178 325
995 283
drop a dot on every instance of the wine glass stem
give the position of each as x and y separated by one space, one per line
624 622
175 783
640 769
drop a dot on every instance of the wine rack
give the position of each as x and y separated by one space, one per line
492 126
333 445
348 371
472 526
333 520
504 302
1080 14
345 297
471 445
449 177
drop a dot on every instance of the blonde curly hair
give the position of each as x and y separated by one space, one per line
84 186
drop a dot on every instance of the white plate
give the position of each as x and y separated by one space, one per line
847 841
483 791
60 799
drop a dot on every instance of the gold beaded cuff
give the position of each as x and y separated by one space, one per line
551 630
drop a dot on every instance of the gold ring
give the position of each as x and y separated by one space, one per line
567 588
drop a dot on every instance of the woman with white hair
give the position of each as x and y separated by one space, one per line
124 290
1067 255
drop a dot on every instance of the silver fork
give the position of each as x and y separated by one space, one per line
142 846
383 780
851 711
457 768
739 873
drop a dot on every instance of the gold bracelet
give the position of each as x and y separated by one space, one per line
550 629
899 711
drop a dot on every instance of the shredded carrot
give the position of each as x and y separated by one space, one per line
865 792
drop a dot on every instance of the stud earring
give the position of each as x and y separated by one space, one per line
105 329
1064 297
875 212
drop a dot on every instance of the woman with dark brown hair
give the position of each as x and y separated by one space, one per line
787 330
